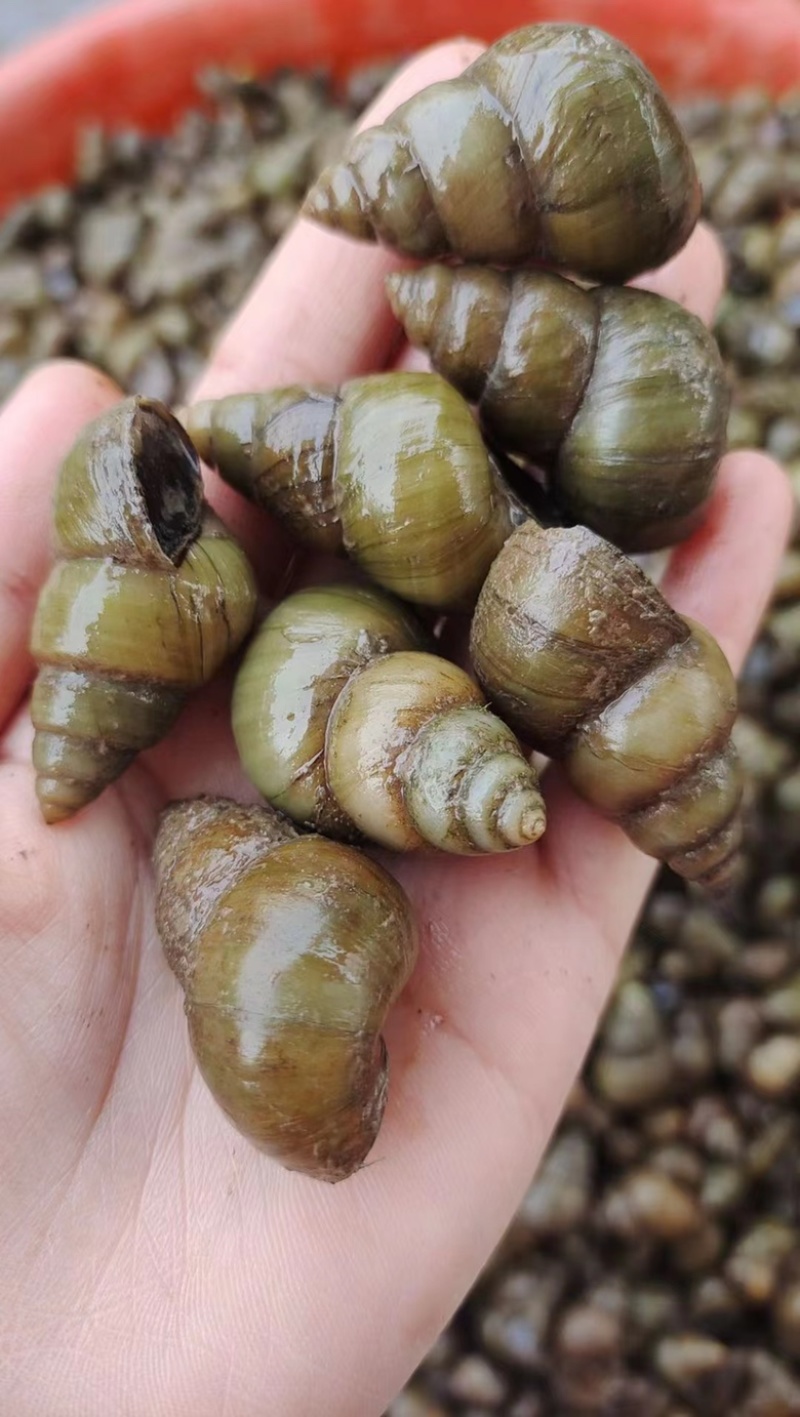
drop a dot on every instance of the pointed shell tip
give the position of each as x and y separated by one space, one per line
52 808
523 819
317 205
532 825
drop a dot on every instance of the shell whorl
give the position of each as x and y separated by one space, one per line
585 658
343 721
278 449
620 395
416 760
303 655
392 470
148 596
206 839
555 146
290 951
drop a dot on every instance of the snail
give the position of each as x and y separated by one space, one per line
290 951
391 470
346 723
580 653
620 395
148 597
555 146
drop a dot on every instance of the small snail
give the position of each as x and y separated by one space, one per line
391 470
148 597
584 658
633 1066
290 951
620 395
345 724
555 146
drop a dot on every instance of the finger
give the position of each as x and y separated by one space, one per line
319 312
38 426
695 277
412 360
722 577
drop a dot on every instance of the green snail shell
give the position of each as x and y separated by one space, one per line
391 470
290 951
343 721
581 654
556 146
620 395
148 597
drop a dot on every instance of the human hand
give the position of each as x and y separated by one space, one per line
153 1262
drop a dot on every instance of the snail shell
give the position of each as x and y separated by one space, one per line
633 1066
584 658
555 146
290 951
391 470
148 597
619 394
346 724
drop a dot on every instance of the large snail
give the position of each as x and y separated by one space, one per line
620 395
555 146
148 597
584 658
391 470
290 951
346 724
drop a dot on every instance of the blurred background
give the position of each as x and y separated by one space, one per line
18 22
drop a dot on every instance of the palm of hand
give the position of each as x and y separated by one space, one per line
125 1180
154 1262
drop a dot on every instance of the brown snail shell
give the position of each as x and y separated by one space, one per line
633 1066
343 721
390 470
290 951
581 654
555 146
149 596
619 394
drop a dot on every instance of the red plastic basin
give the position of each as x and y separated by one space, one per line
135 62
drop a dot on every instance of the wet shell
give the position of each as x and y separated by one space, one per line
148 597
620 395
391 470
290 952
343 721
555 146
584 658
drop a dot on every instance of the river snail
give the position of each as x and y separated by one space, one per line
344 721
290 951
581 654
391 470
148 597
555 146
620 395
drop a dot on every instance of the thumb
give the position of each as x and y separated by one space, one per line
38 426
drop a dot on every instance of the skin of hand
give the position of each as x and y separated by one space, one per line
153 1262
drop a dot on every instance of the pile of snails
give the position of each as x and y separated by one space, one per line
558 413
